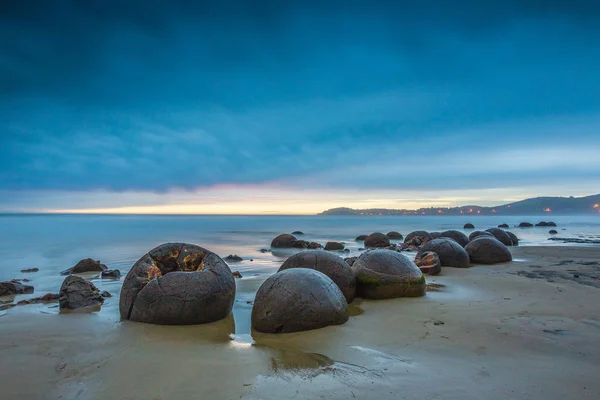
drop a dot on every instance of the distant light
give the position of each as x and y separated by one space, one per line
508 206
478 211
461 211
439 211
596 205
547 209
470 210
494 210
422 212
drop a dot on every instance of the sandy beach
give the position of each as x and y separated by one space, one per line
529 329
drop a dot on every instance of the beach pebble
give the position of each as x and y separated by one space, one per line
459 237
178 284
451 254
298 299
334 246
377 239
331 265
85 265
283 241
384 274
76 293
501 235
487 250
429 263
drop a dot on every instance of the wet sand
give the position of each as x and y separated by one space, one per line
529 329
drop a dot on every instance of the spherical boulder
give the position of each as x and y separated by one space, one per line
385 274
487 250
283 241
334 246
458 236
501 235
429 263
476 234
178 284
514 239
525 225
469 226
331 265
451 254
394 235
298 299
361 238
421 237
377 239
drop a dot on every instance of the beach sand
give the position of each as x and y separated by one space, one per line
529 329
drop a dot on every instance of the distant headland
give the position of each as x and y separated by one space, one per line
534 206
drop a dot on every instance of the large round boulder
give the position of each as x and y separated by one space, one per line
514 239
377 239
451 254
385 274
469 226
417 238
331 265
487 250
476 234
298 299
394 235
458 236
283 241
178 284
501 235
429 263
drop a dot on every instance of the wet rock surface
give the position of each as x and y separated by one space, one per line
417 238
377 239
578 271
335 267
477 234
429 263
553 232
298 299
111 274
77 293
283 241
394 235
384 274
487 250
13 287
450 253
513 238
85 265
350 260
501 235
503 226
458 236
297 233
178 284
334 246
435 235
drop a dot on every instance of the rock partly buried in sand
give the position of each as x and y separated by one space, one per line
298 299
553 232
77 293
458 236
476 234
469 226
514 239
334 246
283 241
384 274
501 235
394 235
429 263
14 287
417 238
551 223
331 265
111 274
303 244
361 238
85 265
29 270
178 284
377 239
487 250
234 258
503 226
525 225
297 233
451 254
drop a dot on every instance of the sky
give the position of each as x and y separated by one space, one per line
293 107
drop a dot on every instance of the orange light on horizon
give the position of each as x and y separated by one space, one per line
478 211
461 211
470 210
547 209
494 210
596 205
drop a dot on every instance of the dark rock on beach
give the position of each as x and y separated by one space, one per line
360 238
458 236
297 233
469 226
476 234
111 274
552 224
350 260
541 223
298 299
14 287
105 294
394 235
429 263
377 239
234 258
435 235
384 274
85 265
514 239
303 244
501 235
525 225
334 246
450 253
552 232
237 274
283 241
178 284
265 250
417 238
331 265
29 270
77 293
503 226
487 250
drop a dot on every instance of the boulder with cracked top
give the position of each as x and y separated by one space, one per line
451 254
178 284
331 265
487 250
298 299
384 274
377 239
458 236
429 263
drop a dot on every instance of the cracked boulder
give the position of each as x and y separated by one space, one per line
429 263
331 265
451 254
283 241
178 284
298 299
385 274
488 250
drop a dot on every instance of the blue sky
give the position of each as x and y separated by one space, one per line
269 106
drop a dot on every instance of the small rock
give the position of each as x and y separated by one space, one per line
6 306
438 323
361 238
503 226
85 265
49 297
553 232
297 233
265 250
14 287
105 294
525 225
334 246
29 270
111 273
237 274
234 258
23 302
469 226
